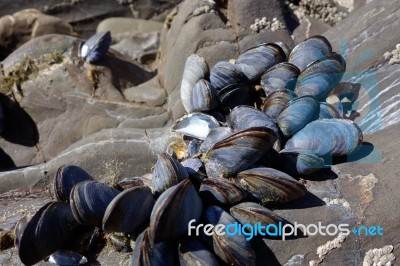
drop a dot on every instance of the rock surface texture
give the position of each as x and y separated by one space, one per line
113 118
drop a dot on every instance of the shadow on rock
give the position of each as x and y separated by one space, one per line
6 162
308 201
19 127
366 149
321 175
264 255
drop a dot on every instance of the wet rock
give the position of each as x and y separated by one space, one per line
128 27
363 48
309 27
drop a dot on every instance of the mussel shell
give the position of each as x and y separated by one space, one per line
276 102
253 213
203 97
67 257
297 162
224 73
215 135
96 47
196 170
192 252
193 147
65 178
221 192
328 137
327 111
89 200
47 231
167 172
145 253
270 186
309 51
129 210
235 94
1 119
195 69
297 115
254 62
244 117
280 77
238 151
173 210
196 125
231 249
321 76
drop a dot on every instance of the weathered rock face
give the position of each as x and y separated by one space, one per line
24 25
67 99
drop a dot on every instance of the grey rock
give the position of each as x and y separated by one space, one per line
309 27
68 101
148 92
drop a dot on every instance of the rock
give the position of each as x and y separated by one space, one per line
24 25
364 47
66 101
121 28
135 46
148 92
309 27
150 8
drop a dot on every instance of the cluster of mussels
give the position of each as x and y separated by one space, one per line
254 127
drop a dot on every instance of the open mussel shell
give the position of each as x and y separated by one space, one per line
297 115
309 51
145 253
235 94
203 97
224 73
65 178
336 103
282 76
327 111
89 200
129 210
167 172
328 137
19 229
173 210
221 192
253 213
297 162
232 249
192 252
67 257
320 77
196 125
254 62
270 186
215 135
244 117
238 151
275 102
193 147
196 68
96 47
48 230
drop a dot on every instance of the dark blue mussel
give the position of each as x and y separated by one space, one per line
276 102
320 77
193 252
328 137
280 77
96 47
309 51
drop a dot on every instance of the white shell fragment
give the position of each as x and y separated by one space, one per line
196 125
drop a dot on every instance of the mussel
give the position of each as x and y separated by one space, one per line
238 151
96 47
196 125
192 252
221 192
270 186
280 77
